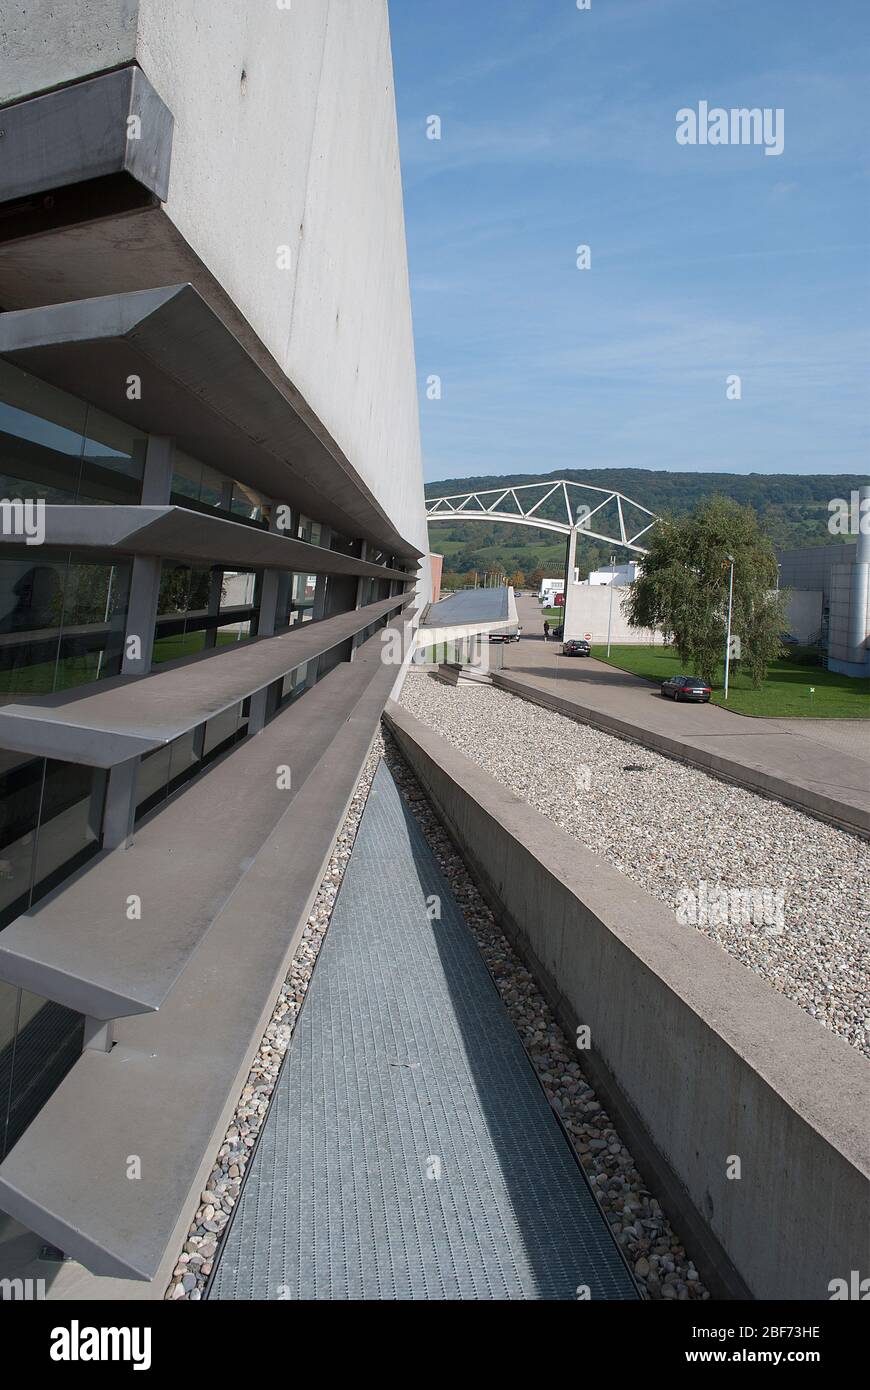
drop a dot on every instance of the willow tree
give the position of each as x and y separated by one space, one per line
682 589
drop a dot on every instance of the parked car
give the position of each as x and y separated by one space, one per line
686 688
557 633
576 646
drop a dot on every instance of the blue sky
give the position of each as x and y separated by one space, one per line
558 129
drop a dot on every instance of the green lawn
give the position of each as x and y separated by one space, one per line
46 678
513 556
173 648
784 695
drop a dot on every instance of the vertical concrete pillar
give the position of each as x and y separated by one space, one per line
859 587
568 606
120 805
360 595
319 609
265 628
99 1034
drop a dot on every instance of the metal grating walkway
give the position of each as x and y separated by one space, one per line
404 1061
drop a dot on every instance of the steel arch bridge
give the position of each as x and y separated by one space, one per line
574 506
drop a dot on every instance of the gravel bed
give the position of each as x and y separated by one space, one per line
196 1259
685 837
662 1266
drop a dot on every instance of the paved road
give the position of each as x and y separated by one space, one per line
819 756
409 1151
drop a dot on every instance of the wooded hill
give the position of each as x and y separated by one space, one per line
792 510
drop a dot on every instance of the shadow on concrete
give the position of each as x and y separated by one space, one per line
566 1237
575 670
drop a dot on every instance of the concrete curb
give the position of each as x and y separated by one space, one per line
841 813
698 1059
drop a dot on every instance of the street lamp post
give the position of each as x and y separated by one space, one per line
610 610
730 559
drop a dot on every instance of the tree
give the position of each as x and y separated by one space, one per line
682 588
534 578
517 580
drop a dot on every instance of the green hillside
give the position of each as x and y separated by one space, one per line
792 509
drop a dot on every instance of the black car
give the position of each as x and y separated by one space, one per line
576 646
686 688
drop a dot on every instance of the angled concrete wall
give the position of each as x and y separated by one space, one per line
285 137
46 43
698 1059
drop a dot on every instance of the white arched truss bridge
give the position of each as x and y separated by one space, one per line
572 507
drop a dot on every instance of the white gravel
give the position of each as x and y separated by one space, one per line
663 1267
672 828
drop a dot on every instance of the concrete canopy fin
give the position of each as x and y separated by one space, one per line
200 386
178 533
126 716
167 1089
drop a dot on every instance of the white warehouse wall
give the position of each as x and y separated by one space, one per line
285 136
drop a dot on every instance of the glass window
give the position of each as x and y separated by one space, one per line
31 610
195 484
166 769
215 491
61 621
295 600
48 1041
248 505
294 684
56 447
50 823
96 597
70 822
113 461
20 795
9 995
222 731
310 531
186 478
41 438
188 610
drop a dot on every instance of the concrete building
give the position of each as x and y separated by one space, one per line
834 581
549 589
619 575
595 609
209 427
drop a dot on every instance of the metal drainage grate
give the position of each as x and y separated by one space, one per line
410 1151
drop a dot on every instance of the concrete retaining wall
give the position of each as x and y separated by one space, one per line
698 1060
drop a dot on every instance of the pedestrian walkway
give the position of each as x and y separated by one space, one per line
410 1151
827 774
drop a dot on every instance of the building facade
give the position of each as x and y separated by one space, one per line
834 582
211 507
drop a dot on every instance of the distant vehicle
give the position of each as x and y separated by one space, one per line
512 635
576 646
558 632
686 688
